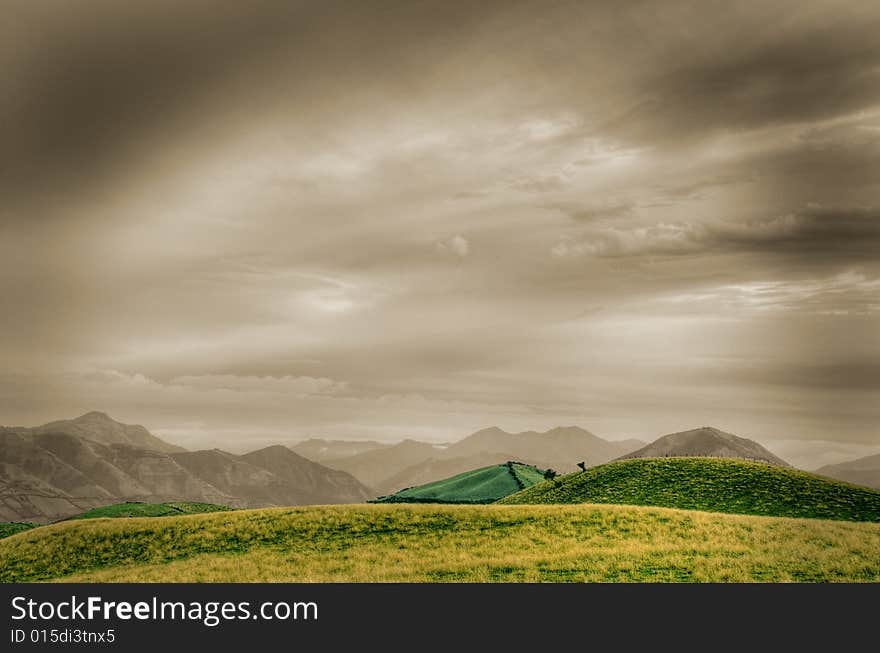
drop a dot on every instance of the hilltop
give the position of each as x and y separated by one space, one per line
483 485
710 484
705 441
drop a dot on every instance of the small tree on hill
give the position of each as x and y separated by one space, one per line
583 465
549 474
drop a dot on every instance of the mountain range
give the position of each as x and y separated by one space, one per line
410 463
64 468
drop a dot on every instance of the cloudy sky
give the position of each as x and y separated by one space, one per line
238 223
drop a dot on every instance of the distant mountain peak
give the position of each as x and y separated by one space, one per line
278 448
707 441
491 430
567 431
98 426
94 415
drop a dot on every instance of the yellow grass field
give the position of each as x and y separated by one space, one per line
431 543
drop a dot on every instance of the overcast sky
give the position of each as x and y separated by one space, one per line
238 223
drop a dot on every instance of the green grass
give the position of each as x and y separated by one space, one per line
136 509
11 528
483 485
710 484
439 543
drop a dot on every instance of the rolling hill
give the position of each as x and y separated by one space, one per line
443 543
710 484
483 485
47 475
705 441
862 471
433 469
127 509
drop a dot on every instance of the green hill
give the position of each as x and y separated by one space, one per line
710 484
11 528
483 485
446 543
137 509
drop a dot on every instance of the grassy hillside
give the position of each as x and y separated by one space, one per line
431 543
132 509
483 485
711 484
11 528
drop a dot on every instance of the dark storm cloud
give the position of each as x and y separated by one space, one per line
92 81
824 235
782 72
815 235
828 164
588 213
91 86
699 188
843 375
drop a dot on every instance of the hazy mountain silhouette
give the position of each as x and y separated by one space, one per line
563 445
413 463
373 467
321 450
705 441
861 471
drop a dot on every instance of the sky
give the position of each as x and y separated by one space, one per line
242 223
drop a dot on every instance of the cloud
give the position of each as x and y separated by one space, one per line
545 129
861 375
543 182
610 209
822 66
293 386
845 294
296 386
699 188
815 234
457 245
96 90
